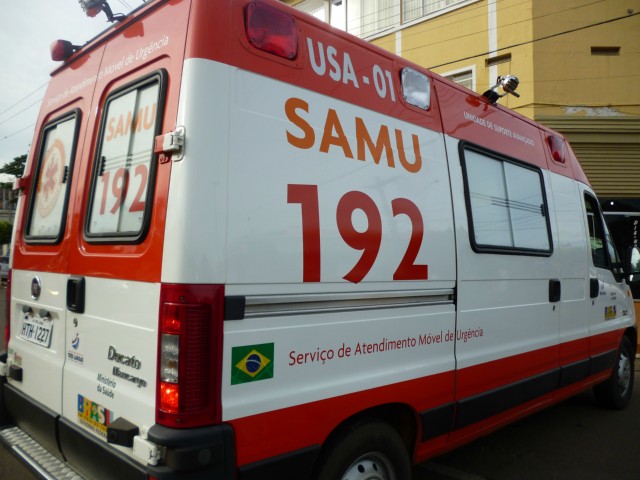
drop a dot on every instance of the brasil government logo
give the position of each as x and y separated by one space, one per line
251 363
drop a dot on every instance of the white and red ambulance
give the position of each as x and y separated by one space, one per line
251 246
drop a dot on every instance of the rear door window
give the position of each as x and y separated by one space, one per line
49 199
124 167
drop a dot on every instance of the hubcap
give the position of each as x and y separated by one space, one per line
624 374
371 466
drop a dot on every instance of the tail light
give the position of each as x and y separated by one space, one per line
556 145
189 355
7 327
271 30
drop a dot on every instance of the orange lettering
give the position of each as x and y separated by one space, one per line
151 120
120 127
110 129
383 142
309 137
332 125
409 167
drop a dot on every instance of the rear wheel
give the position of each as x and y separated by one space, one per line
369 450
615 393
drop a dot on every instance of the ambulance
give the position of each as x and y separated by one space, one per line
250 246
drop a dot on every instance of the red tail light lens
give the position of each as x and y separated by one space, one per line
272 30
556 144
189 355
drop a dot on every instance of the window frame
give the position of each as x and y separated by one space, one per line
160 78
30 239
503 249
601 228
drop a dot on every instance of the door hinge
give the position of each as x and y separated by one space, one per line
171 144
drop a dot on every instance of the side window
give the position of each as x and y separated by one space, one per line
49 199
124 166
603 251
506 204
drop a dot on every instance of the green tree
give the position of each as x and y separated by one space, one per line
5 232
15 167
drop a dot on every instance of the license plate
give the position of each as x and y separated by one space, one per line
37 330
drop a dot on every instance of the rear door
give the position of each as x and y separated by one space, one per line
38 308
116 260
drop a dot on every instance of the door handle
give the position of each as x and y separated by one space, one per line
75 294
594 287
555 290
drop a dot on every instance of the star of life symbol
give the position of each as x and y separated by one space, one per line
51 178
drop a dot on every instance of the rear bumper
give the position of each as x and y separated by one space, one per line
190 454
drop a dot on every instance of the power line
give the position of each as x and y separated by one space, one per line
546 37
18 113
17 132
24 98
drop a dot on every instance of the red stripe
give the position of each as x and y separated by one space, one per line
277 432
272 433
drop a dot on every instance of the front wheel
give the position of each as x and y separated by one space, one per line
369 450
615 393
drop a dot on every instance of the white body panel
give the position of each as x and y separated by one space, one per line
115 353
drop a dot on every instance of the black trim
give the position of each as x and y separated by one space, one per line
544 211
555 290
94 458
437 421
454 416
575 372
485 405
195 453
290 466
161 78
602 362
76 294
33 418
234 307
15 373
75 115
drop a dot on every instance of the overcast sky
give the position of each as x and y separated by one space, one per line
28 29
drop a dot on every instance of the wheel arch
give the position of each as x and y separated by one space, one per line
401 417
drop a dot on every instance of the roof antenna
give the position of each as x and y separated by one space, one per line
509 83
94 7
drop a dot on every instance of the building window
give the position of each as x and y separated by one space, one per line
367 17
412 9
466 78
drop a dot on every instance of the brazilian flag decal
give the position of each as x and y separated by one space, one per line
251 363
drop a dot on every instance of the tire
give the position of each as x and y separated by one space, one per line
368 450
615 393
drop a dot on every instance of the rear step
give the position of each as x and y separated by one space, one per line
42 462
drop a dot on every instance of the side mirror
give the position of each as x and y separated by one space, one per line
632 264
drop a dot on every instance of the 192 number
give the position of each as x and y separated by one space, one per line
119 187
368 241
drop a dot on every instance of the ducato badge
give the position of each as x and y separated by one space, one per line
36 288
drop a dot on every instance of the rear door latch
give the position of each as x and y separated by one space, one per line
170 145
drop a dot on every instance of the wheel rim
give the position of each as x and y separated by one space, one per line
371 466
624 374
